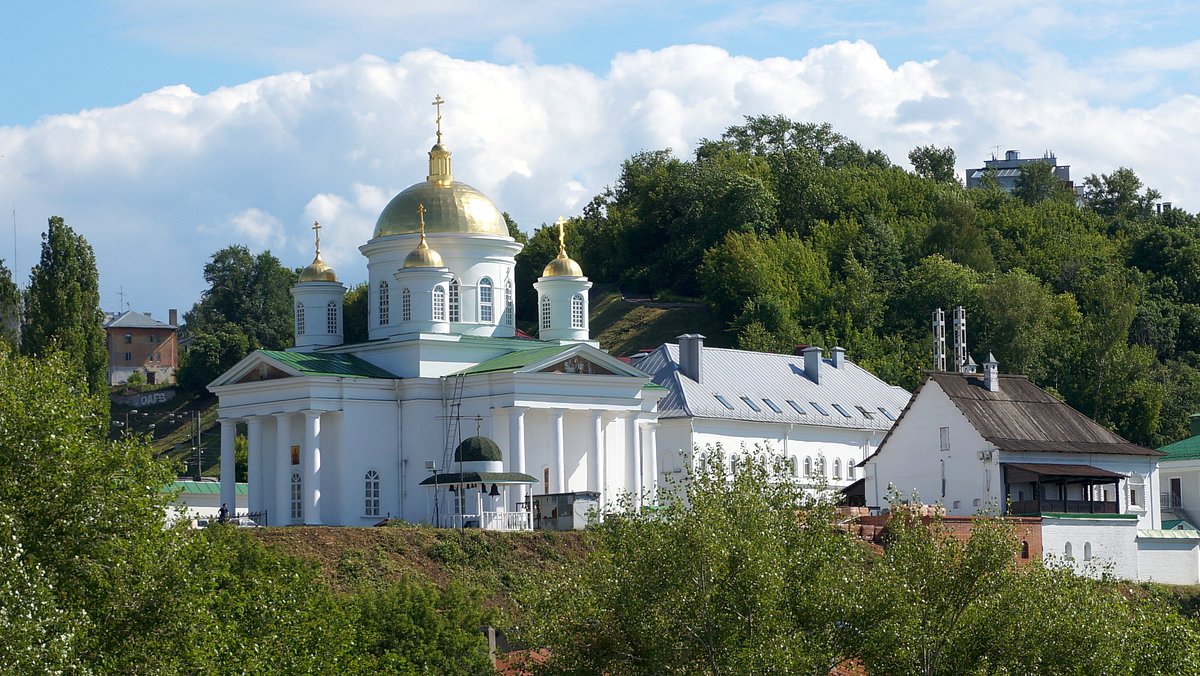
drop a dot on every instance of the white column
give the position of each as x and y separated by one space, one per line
652 453
516 447
311 461
282 505
633 452
596 469
254 464
228 475
556 435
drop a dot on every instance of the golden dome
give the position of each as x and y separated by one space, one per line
562 266
453 208
318 271
423 256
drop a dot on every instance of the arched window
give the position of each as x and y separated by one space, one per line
510 310
297 497
299 319
849 469
821 466
577 311
486 314
331 318
439 304
384 317
1087 551
371 493
1024 549
455 312
793 467
545 324
837 468
808 466
1067 551
405 305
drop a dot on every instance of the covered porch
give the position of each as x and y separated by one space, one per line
1035 488
479 499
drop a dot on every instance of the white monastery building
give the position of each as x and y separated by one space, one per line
821 416
347 434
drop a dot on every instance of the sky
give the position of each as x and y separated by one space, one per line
165 130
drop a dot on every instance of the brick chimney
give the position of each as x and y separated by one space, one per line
173 317
812 363
691 356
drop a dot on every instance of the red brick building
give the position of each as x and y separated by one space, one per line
138 342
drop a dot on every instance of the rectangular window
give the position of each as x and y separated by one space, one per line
865 413
818 407
753 406
770 404
944 433
128 337
887 415
796 407
839 409
724 401
128 356
1133 497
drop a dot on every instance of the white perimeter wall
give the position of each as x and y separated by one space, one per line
1113 545
1169 560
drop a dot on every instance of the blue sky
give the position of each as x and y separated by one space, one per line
166 130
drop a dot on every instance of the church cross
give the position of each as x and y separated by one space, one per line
437 103
317 233
421 218
562 234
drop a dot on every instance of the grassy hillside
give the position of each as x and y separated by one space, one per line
624 326
169 429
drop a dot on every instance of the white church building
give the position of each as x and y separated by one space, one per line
348 434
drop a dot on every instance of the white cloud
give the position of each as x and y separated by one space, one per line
160 183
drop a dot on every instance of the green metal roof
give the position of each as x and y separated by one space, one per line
206 487
516 360
1187 449
1074 515
315 364
1174 524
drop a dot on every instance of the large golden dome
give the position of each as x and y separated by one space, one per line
450 207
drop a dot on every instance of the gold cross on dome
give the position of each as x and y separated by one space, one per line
562 234
421 218
437 103
317 234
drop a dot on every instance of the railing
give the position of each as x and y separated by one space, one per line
1064 506
503 521
1171 501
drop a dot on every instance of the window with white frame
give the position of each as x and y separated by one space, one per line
808 466
821 466
944 435
455 300
299 319
545 323
439 304
297 495
510 309
486 314
405 305
371 493
331 318
793 467
837 468
577 315
849 469
384 313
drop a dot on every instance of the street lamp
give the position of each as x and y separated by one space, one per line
432 467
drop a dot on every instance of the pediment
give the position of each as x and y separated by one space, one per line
264 371
577 364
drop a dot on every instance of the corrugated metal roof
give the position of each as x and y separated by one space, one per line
202 487
1023 417
1187 449
1160 534
317 364
1055 469
136 320
516 360
780 378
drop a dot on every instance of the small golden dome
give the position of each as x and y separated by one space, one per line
317 271
562 266
423 256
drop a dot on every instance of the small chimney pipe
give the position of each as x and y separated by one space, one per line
691 356
812 364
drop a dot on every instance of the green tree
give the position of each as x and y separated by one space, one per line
62 304
723 576
1119 195
354 313
10 308
1036 183
211 354
252 293
933 163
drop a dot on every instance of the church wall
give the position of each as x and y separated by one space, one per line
368 433
332 457
422 438
1113 545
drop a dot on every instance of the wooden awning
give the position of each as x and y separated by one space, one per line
1019 472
